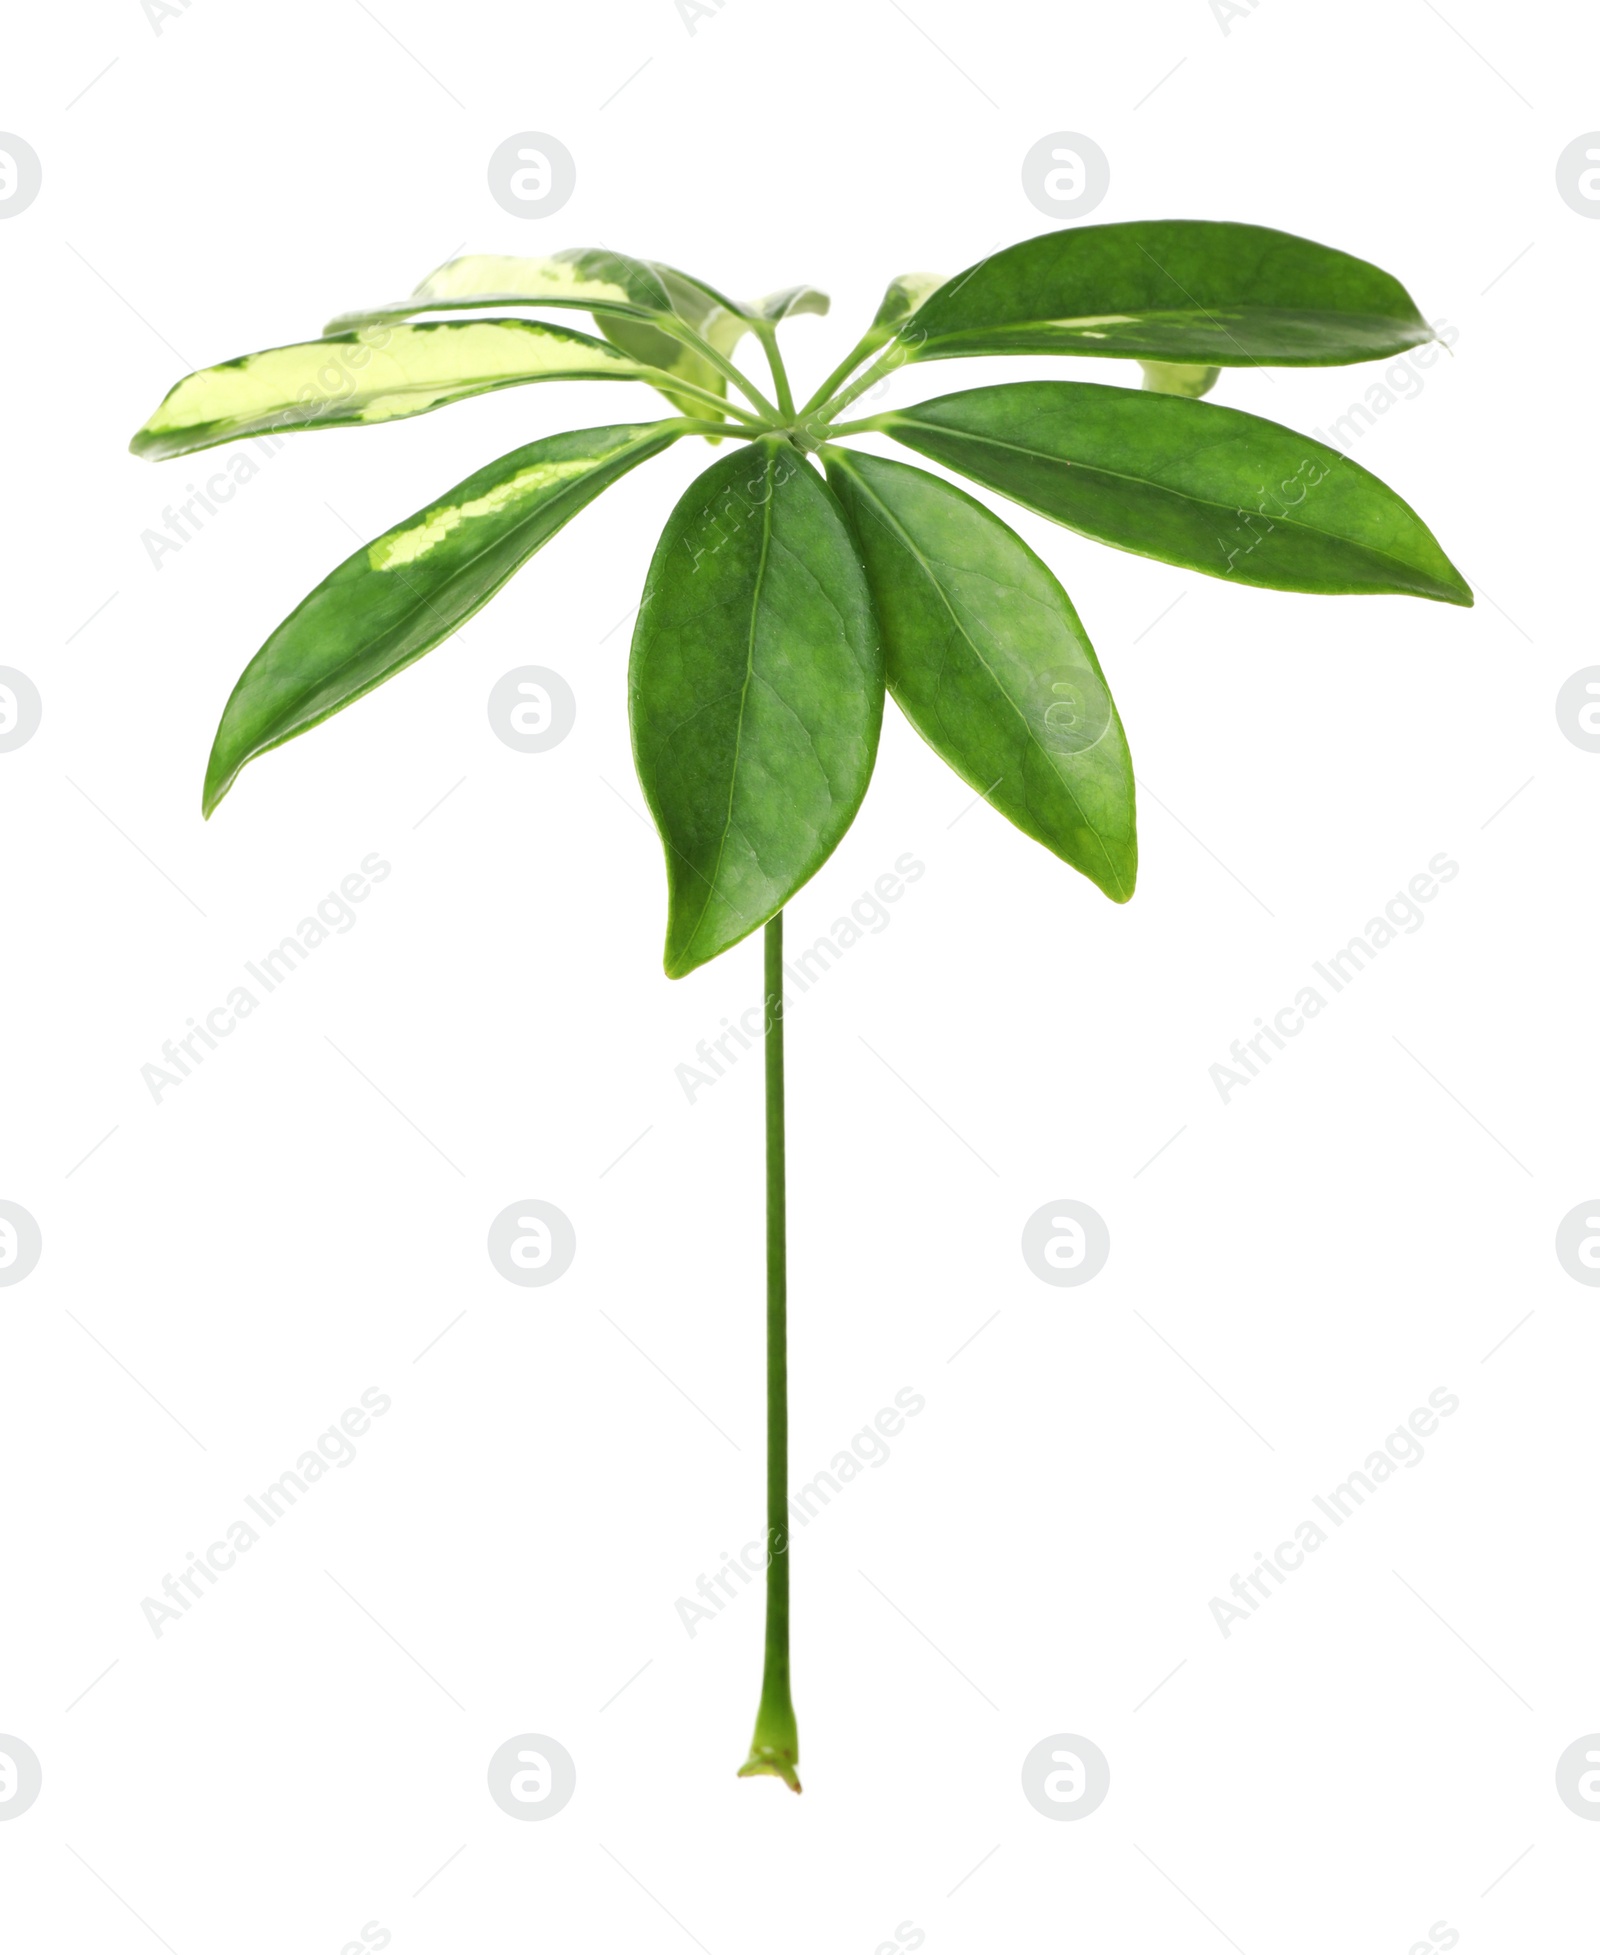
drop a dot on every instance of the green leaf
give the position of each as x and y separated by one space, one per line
725 329
1162 377
650 345
704 302
900 300
589 279
360 379
989 662
416 584
625 296
755 693
581 276
601 282
790 303
719 320
1186 482
1222 295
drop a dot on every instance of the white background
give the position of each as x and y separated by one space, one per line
305 1216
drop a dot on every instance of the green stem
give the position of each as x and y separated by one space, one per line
768 336
847 366
775 1747
876 424
680 329
712 430
894 355
661 380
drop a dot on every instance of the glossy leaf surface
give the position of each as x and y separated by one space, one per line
400 596
755 694
1206 294
990 663
1187 482
365 378
790 303
902 297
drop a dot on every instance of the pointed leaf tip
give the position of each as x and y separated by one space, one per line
1206 487
990 663
399 596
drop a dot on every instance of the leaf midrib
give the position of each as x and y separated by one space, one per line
744 696
1240 311
1183 495
423 602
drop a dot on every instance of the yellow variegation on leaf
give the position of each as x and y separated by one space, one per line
379 373
400 595
586 279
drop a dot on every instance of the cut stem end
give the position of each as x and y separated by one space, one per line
768 1761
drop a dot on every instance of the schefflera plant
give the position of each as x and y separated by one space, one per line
797 580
